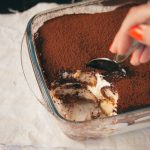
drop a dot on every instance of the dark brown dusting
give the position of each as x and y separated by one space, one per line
94 116
69 42
71 98
104 92
61 81
115 76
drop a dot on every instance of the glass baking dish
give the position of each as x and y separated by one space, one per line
96 128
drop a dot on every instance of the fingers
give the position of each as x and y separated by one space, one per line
113 47
135 58
137 15
146 34
121 47
141 33
145 56
140 56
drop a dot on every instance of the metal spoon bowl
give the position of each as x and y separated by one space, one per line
115 64
103 64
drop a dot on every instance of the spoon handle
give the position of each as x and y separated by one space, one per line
122 58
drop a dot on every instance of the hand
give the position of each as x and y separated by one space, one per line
135 26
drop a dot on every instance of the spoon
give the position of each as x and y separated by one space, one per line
113 65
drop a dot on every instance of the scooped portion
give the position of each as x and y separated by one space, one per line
83 95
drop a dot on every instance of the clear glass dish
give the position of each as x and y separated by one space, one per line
96 128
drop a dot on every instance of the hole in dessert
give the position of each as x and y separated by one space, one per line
90 96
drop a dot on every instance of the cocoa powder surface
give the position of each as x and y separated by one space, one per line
69 42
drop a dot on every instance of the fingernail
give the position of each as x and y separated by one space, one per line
134 63
110 47
112 50
136 32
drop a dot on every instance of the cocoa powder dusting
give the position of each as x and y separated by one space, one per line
69 42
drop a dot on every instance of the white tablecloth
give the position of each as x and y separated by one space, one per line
24 122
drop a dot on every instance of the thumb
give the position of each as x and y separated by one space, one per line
141 33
